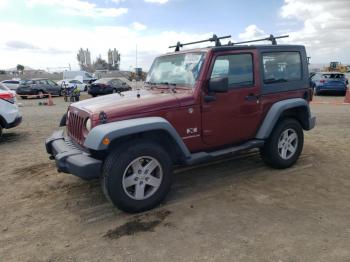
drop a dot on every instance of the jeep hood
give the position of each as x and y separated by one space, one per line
134 102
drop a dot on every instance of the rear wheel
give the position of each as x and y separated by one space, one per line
283 148
137 177
0 131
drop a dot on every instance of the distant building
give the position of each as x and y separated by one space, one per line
113 59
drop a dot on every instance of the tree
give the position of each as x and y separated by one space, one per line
20 67
100 64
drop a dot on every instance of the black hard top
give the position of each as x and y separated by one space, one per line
264 48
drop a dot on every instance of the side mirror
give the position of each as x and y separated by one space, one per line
218 85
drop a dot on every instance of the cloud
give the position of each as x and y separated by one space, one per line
53 50
138 26
251 32
325 27
117 1
79 8
156 1
20 45
3 4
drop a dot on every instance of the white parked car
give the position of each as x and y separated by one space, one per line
71 83
9 113
11 84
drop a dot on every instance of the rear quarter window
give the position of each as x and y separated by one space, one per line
281 67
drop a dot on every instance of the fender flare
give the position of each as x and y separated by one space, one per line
122 128
277 110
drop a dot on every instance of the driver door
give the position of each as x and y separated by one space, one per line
233 117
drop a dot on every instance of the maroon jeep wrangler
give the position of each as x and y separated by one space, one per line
196 105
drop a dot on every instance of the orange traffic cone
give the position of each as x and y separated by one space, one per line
347 96
50 101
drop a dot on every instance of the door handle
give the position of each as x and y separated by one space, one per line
252 97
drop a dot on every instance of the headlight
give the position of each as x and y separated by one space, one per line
88 124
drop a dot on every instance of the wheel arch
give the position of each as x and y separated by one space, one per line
155 129
296 108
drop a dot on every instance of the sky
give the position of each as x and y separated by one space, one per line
46 34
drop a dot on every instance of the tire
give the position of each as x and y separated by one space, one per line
114 91
0 131
85 88
275 150
130 190
93 95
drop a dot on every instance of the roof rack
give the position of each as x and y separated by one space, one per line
218 43
270 38
212 39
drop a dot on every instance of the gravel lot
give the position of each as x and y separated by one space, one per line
232 210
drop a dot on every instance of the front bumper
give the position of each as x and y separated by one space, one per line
70 159
15 123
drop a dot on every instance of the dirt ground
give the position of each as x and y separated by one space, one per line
232 210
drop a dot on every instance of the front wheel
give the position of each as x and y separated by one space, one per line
283 148
137 177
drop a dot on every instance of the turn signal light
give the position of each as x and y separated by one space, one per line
106 141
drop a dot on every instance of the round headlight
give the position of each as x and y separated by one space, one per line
88 124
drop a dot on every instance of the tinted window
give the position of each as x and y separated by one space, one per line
337 76
52 83
113 82
10 82
281 67
42 82
238 69
118 81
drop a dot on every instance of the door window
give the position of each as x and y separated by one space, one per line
42 82
238 68
51 83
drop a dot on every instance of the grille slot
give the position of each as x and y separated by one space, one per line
75 127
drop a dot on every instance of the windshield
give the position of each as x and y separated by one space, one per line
179 69
102 81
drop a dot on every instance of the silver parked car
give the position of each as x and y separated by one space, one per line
11 84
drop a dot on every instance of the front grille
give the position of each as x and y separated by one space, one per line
75 127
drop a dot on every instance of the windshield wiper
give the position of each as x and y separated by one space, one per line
172 86
150 84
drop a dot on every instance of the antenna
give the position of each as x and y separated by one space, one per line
214 38
270 38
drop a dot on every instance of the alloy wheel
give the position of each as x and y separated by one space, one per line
142 177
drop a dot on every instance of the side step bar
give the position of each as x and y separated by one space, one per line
201 157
